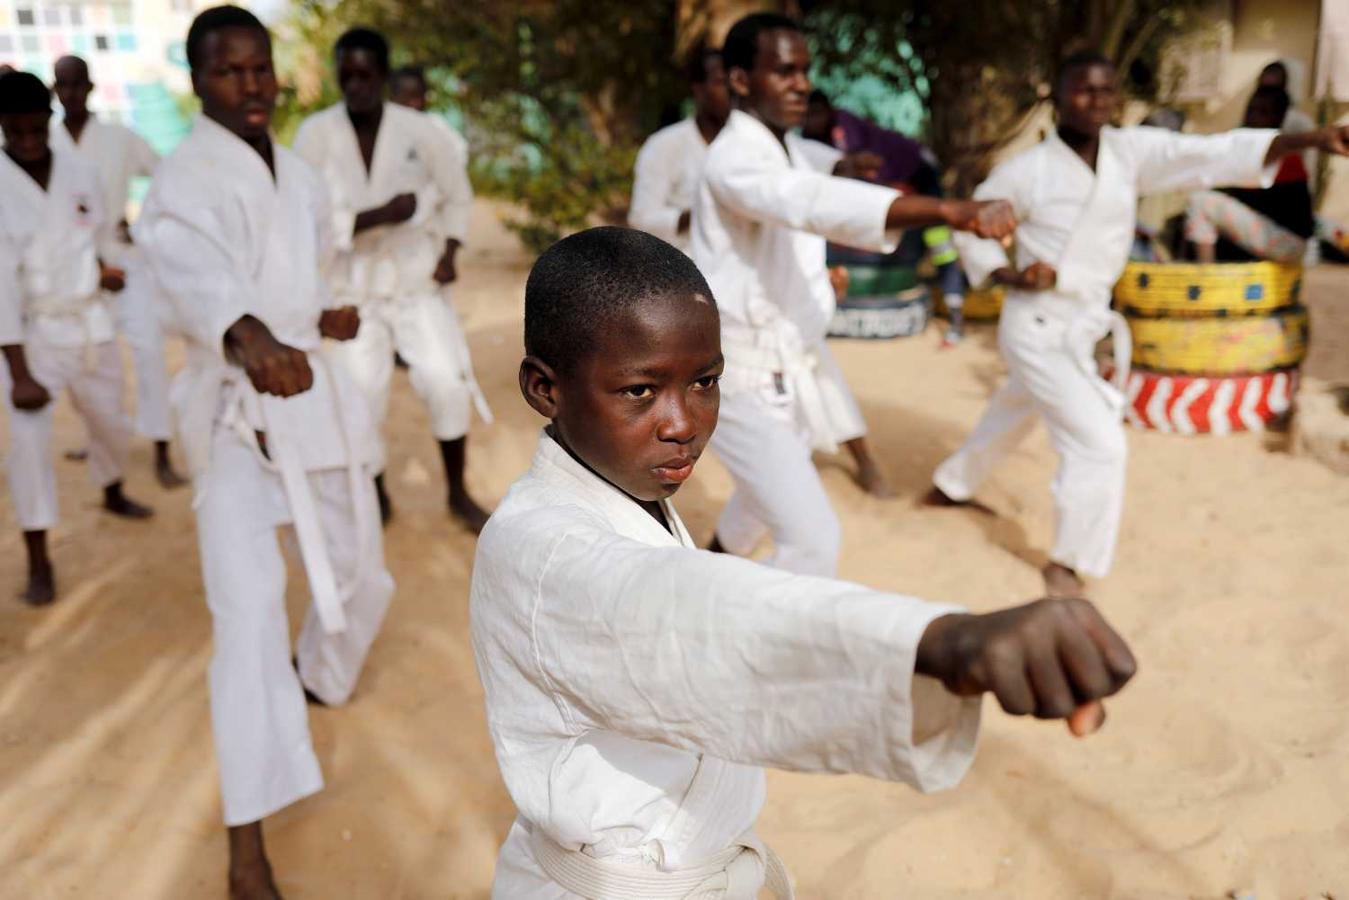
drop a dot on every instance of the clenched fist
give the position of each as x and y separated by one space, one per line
341 323
984 218
273 367
1038 276
111 278
1053 659
28 394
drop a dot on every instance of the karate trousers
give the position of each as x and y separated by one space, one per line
1051 375
425 331
778 491
136 311
93 376
258 710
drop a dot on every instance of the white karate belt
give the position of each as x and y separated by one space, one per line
465 363
74 310
283 457
786 358
1084 331
739 872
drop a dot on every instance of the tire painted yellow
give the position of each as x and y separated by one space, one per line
1241 345
1217 289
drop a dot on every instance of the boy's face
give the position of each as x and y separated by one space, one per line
409 92
362 79
1087 99
1262 113
71 85
640 407
778 86
712 98
236 81
26 136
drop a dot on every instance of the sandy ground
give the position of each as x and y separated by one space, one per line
1223 768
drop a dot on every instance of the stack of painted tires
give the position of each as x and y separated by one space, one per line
885 299
1216 348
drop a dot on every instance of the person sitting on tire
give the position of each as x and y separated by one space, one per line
1242 224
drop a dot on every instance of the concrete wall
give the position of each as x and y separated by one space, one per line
1265 30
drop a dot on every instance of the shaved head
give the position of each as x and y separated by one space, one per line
72 87
71 68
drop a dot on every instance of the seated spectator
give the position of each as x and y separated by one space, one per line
1271 223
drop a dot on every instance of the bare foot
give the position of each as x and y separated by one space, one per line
253 882
41 588
119 504
870 479
1062 582
167 477
937 497
250 873
468 512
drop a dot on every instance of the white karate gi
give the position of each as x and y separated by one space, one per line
665 181
760 224
1082 223
635 685
224 239
387 271
119 155
58 314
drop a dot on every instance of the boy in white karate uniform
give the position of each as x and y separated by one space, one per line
119 155
636 685
763 212
55 328
234 230
401 199
670 163
1075 196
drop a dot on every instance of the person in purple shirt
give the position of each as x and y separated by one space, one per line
908 166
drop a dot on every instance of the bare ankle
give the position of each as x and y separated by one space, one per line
250 872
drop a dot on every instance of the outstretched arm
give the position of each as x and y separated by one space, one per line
763 667
1334 140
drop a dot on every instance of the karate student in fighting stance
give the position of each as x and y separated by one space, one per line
399 188
670 163
636 686
234 230
56 331
119 155
763 213
1075 196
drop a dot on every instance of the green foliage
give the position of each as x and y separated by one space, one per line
559 191
557 95
983 66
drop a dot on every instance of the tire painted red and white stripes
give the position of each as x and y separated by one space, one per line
1190 404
